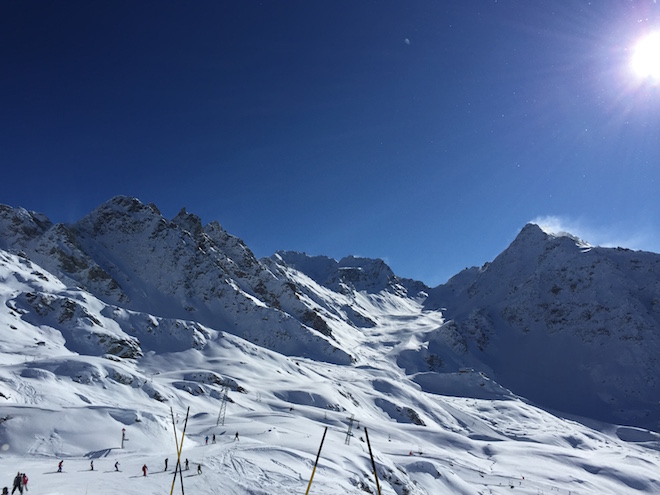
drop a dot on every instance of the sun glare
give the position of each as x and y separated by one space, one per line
646 57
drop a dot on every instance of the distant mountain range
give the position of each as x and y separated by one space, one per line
570 327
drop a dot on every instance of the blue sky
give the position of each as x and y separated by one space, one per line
426 133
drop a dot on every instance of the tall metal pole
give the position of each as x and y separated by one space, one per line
350 429
223 406
373 464
317 461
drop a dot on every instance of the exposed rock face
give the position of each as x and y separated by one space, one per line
351 274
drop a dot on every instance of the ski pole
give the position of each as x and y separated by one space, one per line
317 461
179 448
373 464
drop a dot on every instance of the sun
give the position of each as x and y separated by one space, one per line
646 57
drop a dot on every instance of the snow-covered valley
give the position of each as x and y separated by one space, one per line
125 319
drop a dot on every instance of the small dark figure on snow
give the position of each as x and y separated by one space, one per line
199 469
207 439
213 438
186 464
236 437
91 465
59 466
144 470
18 483
165 464
117 466
5 491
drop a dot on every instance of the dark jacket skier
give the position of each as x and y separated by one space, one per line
18 483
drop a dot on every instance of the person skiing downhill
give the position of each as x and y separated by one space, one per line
144 470
59 466
117 466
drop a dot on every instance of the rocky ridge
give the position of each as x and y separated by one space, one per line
569 326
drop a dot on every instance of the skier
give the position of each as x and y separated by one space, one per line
165 464
144 470
236 437
18 483
5 491
117 466
91 465
186 464
213 438
199 469
59 466
207 439
25 480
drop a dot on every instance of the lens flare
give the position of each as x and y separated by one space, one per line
646 57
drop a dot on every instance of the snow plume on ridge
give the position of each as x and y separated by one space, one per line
626 236
561 227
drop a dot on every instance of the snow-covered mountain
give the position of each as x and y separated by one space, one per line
123 318
128 255
569 326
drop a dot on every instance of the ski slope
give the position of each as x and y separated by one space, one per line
79 366
422 443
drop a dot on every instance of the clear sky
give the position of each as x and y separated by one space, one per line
426 133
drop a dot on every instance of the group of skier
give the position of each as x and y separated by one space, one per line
20 484
21 479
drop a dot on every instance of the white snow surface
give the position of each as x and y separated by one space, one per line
78 366
63 405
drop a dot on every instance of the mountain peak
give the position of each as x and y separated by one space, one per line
129 204
556 233
20 225
533 231
534 239
188 221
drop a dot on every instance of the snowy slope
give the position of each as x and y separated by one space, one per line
184 312
127 254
